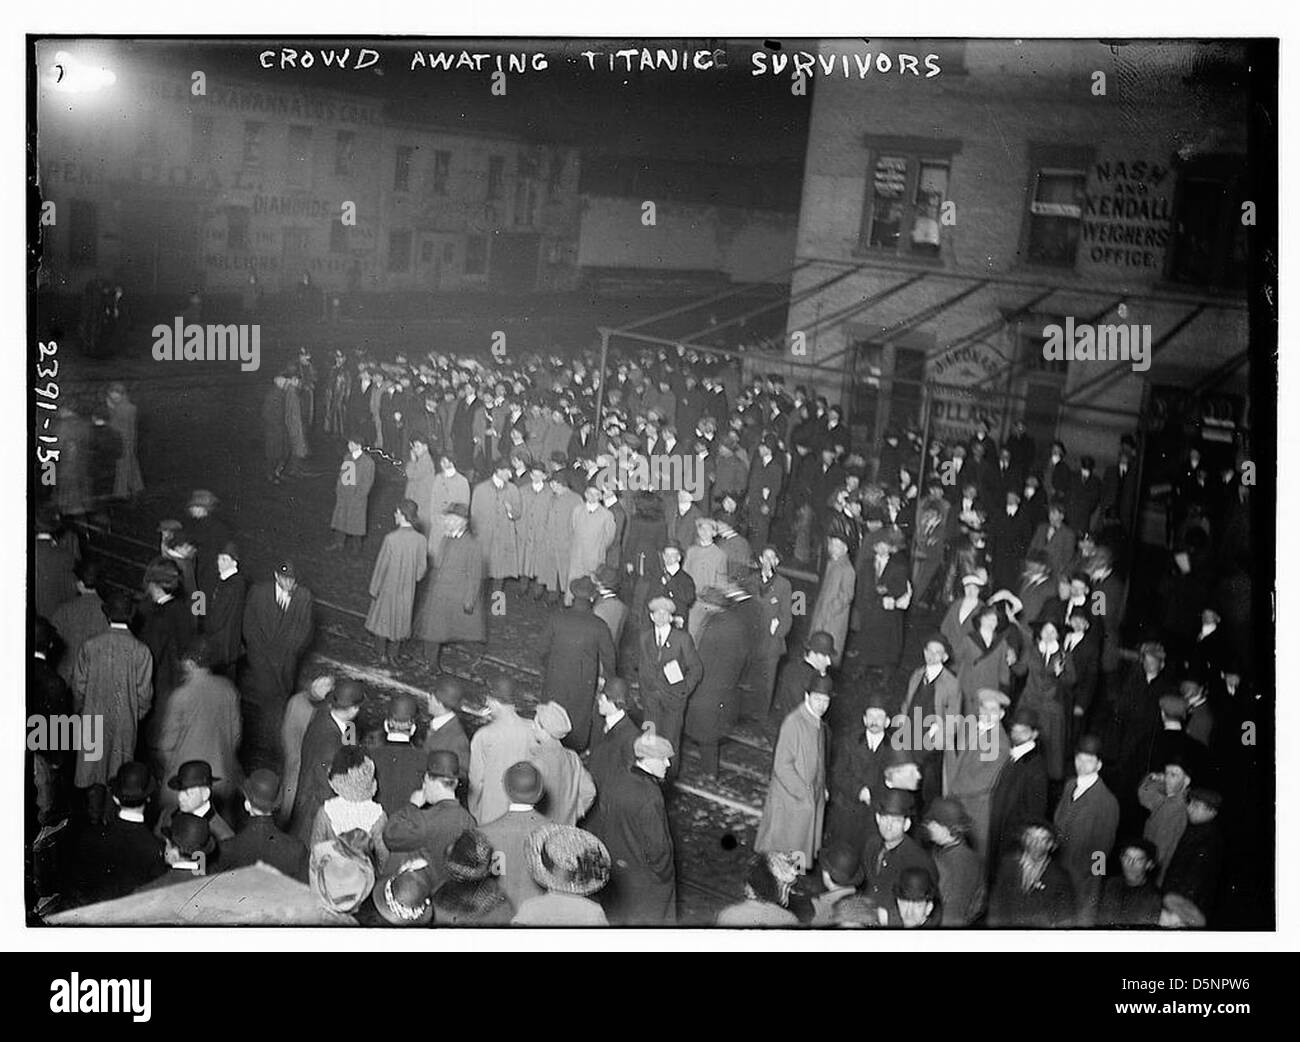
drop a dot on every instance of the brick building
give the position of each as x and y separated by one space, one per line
948 220
164 191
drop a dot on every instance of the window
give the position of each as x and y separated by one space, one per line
1029 346
426 251
448 252
1055 216
201 140
402 171
476 255
339 238
299 156
1209 242
441 172
84 238
399 251
907 187
345 146
496 178
237 228
254 142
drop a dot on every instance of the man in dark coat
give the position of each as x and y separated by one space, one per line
714 706
1132 726
118 857
445 731
165 624
277 629
796 678
332 727
1197 863
1030 890
1011 529
890 850
577 649
631 821
857 769
223 620
399 762
1086 819
432 817
665 577
1020 793
774 599
612 736
668 670
208 535
451 607
274 432
260 839
1084 496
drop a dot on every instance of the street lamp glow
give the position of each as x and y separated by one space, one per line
70 76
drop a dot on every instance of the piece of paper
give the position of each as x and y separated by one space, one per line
674 672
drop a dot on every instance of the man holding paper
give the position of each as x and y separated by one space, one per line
668 671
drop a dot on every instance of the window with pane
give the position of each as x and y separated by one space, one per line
1055 216
254 143
402 169
299 156
441 172
345 147
906 192
888 201
399 251
1209 247
496 178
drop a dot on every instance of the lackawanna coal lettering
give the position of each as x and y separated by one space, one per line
209 343
101 995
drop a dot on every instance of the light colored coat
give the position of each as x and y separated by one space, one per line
834 601
402 562
352 494
113 678
420 476
493 750
593 531
534 511
796 794
969 777
494 514
570 790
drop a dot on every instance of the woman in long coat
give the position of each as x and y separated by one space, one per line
835 597
402 562
1049 669
884 594
494 514
714 706
128 482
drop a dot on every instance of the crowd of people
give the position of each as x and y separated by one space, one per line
1030 770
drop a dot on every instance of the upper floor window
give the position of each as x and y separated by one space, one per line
1209 242
907 187
1056 216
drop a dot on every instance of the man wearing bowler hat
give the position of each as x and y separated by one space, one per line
841 869
1086 820
577 649
113 859
509 833
916 900
891 849
431 818
819 653
451 607
399 762
962 889
189 850
857 773
794 811
972 776
332 727
260 839
278 627
193 785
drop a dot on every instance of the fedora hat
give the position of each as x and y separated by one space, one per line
191 775
568 860
895 803
822 643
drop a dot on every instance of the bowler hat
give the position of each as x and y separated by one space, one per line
822 643
190 833
899 755
201 497
192 774
347 693
442 763
523 783
568 860
404 896
582 588
132 784
1026 716
1089 744
821 685
950 814
896 803
401 709
843 864
608 577
914 884
1204 794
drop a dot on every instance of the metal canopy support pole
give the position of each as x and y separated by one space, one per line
600 390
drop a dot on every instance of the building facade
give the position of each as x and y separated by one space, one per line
949 222
165 190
